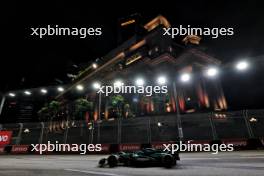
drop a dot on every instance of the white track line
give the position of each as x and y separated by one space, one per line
92 172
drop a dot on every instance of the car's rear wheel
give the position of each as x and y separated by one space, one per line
168 161
112 161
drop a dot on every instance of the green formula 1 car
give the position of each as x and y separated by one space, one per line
143 158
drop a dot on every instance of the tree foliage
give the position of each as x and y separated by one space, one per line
49 111
81 106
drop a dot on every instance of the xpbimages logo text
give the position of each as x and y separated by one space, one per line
205 31
56 30
189 147
131 89
57 147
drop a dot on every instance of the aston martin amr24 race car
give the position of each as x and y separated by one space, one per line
143 158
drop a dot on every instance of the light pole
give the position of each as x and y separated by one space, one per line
96 86
185 77
212 72
99 104
2 103
179 124
242 66
161 81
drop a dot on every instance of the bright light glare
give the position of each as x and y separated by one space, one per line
185 77
27 92
161 80
79 87
212 72
252 119
12 94
118 83
26 130
139 82
60 89
94 65
135 99
242 65
44 91
96 85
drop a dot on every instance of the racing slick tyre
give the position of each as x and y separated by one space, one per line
112 161
168 161
102 162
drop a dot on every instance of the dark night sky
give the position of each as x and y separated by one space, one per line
30 62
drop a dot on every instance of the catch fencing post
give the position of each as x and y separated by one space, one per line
41 132
214 133
249 129
18 138
119 130
149 130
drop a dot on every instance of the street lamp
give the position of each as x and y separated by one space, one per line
12 94
185 77
140 82
118 83
242 65
60 89
94 65
212 72
96 85
135 99
161 80
27 92
44 91
79 87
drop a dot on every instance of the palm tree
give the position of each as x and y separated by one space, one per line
49 111
117 102
43 114
82 106
54 107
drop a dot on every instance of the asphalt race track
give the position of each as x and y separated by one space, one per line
232 163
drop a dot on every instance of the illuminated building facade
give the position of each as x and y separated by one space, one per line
154 54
